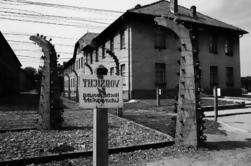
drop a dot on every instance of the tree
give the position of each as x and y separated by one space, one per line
31 77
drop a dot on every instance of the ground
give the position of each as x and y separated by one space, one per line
228 141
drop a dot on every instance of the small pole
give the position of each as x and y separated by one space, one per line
157 97
100 131
100 137
119 112
215 104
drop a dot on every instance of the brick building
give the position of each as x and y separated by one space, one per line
9 69
147 53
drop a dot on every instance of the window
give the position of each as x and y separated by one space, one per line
81 62
112 71
229 76
160 38
214 76
112 45
213 44
96 53
103 51
229 46
122 39
160 74
91 57
122 72
87 58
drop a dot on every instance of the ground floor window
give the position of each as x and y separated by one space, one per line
214 76
230 76
122 73
160 74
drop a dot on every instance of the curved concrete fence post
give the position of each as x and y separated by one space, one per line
187 121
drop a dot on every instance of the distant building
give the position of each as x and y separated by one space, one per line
76 66
147 53
9 69
246 83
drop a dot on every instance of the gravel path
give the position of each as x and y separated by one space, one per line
76 136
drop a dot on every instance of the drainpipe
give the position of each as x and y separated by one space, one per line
129 63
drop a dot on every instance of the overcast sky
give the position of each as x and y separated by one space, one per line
68 20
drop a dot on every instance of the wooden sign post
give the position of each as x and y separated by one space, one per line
100 92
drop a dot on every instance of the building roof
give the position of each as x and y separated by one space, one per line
161 8
85 40
3 41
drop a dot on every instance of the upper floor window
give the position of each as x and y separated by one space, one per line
122 39
112 44
229 76
87 58
81 62
160 74
122 72
112 71
214 76
160 38
96 53
103 51
229 46
213 44
91 57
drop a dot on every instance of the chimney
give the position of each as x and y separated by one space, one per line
174 6
193 11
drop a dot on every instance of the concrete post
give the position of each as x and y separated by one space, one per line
100 137
215 104
100 131
157 97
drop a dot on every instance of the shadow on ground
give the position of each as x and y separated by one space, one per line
227 145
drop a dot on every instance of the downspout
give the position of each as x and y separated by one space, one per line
129 63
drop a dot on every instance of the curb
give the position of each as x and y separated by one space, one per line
70 155
145 127
224 107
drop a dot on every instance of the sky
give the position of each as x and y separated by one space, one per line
65 21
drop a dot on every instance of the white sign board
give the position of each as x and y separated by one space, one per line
95 92
218 92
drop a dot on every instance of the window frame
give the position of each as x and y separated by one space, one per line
103 51
160 41
230 80
228 46
122 39
214 76
213 43
97 54
112 44
160 75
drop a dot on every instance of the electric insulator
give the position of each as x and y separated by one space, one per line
183 57
178 61
183 70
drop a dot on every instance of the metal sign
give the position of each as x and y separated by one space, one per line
103 92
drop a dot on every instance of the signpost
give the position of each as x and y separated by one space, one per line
100 93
